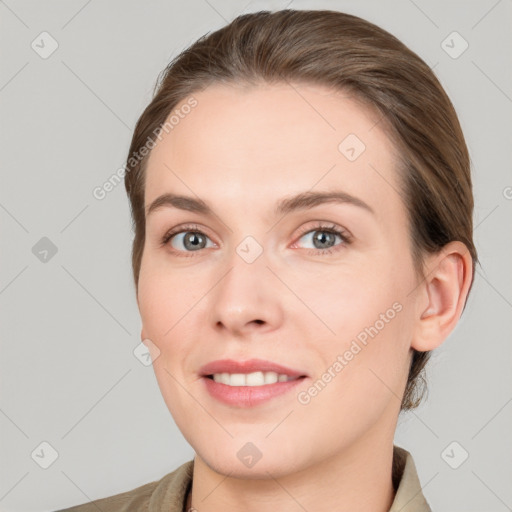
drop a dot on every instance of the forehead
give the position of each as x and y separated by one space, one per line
268 141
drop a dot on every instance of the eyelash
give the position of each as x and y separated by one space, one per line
344 235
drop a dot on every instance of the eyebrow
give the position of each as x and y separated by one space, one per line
284 206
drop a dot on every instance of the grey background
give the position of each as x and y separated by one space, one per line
68 373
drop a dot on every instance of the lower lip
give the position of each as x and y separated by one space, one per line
248 396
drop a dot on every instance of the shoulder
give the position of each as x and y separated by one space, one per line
169 491
409 495
136 499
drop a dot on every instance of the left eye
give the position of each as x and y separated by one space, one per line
323 238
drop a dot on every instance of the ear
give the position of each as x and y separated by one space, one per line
442 295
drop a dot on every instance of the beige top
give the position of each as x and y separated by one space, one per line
169 494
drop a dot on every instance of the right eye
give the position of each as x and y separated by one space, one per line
186 239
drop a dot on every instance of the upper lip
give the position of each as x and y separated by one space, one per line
249 366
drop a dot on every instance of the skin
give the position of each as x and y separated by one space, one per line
241 149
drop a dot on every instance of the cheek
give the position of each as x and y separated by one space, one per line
166 300
166 295
348 298
362 315
365 367
170 304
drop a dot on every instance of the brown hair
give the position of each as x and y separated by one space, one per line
346 53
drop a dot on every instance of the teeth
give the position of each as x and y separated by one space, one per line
250 379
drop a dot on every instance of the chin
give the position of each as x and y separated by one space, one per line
275 466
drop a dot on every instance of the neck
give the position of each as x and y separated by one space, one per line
358 478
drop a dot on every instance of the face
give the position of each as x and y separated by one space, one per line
321 287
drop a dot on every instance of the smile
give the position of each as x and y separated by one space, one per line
250 379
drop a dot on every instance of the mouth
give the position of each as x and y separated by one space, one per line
253 372
248 383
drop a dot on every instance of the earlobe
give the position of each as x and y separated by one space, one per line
444 292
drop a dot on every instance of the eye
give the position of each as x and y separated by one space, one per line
323 238
186 239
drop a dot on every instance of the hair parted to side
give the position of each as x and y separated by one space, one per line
347 53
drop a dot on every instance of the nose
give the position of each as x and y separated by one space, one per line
245 299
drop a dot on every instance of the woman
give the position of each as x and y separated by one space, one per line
301 197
